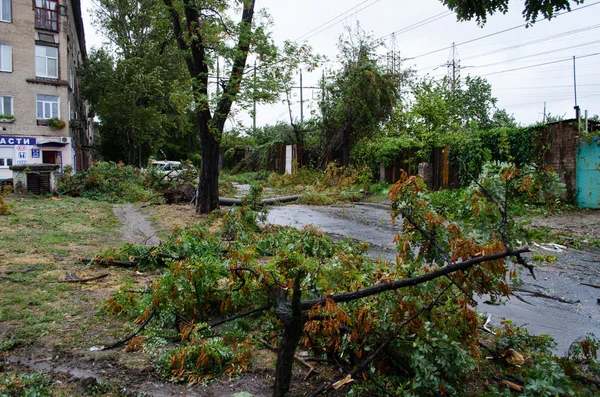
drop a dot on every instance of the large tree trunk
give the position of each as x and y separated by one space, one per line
208 184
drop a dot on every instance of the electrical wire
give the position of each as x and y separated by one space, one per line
536 41
539 64
499 32
534 55
343 16
544 87
416 25
566 98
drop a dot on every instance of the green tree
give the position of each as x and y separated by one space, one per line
478 9
360 98
140 99
132 99
205 33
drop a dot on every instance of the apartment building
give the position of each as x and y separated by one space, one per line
42 116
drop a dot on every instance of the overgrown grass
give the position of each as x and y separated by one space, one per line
42 240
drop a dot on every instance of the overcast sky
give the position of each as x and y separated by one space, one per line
521 92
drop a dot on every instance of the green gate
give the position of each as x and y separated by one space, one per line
588 173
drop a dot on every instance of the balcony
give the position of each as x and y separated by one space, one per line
46 15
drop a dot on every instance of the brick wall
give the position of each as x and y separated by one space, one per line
557 148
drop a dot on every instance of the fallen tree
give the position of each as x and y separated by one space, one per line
221 293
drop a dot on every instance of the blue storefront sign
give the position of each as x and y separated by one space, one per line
35 153
16 140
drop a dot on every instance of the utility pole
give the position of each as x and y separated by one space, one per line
544 112
453 66
301 100
576 107
254 100
393 54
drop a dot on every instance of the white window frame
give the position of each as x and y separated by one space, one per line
4 160
45 101
5 11
5 58
44 59
2 107
4 163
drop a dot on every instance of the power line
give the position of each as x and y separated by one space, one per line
567 98
539 64
497 33
342 15
416 25
543 87
534 55
536 41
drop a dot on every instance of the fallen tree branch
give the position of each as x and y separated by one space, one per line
521 299
409 282
82 280
130 337
542 295
107 262
239 315
591 285
431 238
296 357
28 270
363 366
14 280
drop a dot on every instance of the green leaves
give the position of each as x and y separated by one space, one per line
480 10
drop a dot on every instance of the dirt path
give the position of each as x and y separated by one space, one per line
136 228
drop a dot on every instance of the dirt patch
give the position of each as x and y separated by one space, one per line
584 224
165 218
136 228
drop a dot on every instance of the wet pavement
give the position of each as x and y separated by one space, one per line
574 315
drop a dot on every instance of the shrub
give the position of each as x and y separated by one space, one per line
107 181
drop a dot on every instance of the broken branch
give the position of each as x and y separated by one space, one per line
296 357
82 280
409 282
591 285
107 262
542 295
130 337
362 367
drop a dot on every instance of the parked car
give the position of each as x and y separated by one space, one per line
170 169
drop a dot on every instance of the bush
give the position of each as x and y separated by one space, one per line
107 181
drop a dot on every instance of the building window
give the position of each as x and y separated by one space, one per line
6 157
5 10
46 61
6 106
5 58
47 107
46 14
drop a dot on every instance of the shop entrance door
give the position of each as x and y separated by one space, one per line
52 157
49 157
